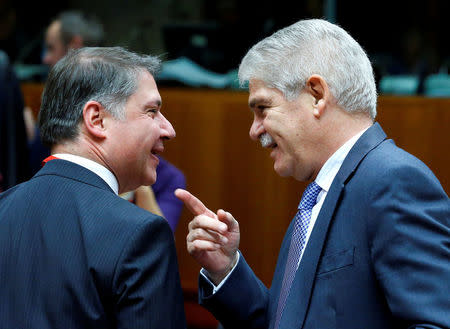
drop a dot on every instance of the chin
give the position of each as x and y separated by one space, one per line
281 171
151 179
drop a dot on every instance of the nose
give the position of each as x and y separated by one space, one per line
256 129
167 131
47 58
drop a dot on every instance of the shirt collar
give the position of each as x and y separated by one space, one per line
333 164
93 166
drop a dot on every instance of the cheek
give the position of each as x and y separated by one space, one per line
277 128
153 130
149 137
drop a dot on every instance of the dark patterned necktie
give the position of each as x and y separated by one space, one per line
301 224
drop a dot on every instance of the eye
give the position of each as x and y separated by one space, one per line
261 109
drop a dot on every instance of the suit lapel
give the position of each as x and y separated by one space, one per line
70 170
298 300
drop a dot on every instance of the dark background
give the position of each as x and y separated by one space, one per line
399 36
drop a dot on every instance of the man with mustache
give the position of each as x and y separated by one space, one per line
369 245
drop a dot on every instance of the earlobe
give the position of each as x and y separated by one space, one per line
93 118
319 108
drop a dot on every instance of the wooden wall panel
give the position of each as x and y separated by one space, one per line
421 126
224 168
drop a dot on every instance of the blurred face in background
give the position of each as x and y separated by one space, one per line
55 47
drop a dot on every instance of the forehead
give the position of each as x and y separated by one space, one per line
53 31
147 92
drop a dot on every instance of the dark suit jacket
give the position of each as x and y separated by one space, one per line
378 256
75 255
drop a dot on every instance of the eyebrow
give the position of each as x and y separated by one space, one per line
151 103
258 100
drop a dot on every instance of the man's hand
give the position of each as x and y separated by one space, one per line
213 239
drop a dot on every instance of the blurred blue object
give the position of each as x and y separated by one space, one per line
189 73
399 84
437 85
26 72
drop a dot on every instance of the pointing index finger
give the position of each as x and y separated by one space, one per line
195 206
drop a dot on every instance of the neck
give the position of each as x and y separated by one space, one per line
345 127
337 130
83 148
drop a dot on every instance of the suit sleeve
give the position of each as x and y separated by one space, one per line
409 238
241 302
146 281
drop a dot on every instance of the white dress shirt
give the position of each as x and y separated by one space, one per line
93 166
324 179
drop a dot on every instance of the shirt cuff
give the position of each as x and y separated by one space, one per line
204 273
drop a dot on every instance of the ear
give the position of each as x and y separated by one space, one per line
94 119
76 42
318 88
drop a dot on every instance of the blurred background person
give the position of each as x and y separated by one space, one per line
14 166
69 30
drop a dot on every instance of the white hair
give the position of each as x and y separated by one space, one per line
287 58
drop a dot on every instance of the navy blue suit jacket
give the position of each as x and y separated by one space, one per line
378 256
75 255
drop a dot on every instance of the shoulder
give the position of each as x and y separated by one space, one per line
389 178
128 214
393 185
389 163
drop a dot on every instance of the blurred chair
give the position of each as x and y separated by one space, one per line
191 74
399 84
437 85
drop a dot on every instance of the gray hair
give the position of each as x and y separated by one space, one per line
286 59
107 75
77 23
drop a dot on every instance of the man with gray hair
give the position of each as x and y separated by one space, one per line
73 254
370 244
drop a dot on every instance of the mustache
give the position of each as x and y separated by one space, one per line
266 140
